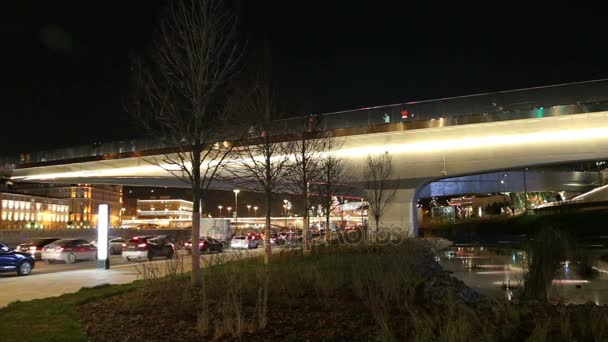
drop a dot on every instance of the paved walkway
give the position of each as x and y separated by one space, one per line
58 283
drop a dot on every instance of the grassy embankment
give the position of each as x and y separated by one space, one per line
339 293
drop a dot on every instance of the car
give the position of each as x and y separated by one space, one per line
35 246
277 239
114 245
206 244
243 242
69 250
148 247
14 261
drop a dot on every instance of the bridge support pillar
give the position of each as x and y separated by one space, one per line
402 213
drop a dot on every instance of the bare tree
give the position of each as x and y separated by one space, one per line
262 162
333 180
376 176
308 149
180 96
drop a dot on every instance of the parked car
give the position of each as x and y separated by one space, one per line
206 244
14 261
69 250
35 246
114 245
240 242
148 247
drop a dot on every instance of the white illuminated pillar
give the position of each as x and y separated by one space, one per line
103 222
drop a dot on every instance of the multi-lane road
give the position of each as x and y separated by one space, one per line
49 280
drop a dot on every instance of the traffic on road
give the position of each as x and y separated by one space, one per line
47 255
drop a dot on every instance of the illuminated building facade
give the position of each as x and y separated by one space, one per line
20 211
161 213
83 201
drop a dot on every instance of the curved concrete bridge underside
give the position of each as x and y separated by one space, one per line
419 156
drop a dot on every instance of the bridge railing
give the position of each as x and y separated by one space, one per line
509 105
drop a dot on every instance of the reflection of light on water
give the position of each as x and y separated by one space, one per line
494 272
569 281
599 269
511 283
473 257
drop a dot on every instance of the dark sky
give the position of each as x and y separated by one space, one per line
65 64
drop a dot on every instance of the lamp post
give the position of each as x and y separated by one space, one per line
285 215
285 212
219 207
122 213
249 210
255 210
525 192
229 210
236 208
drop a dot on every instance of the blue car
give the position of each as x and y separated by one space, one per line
12 261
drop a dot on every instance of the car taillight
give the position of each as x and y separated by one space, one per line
58 249
142 245
188 244
124 245
201 244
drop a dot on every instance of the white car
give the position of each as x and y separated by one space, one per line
242 242
69 250
114 245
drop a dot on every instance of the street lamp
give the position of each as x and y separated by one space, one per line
229 210
285 213
249 210
236 208
220 209
255 210
122 213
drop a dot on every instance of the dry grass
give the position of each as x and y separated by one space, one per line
339 292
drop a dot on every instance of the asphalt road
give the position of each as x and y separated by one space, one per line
42 267
116 261
49 280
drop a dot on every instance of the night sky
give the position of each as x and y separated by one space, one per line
65 69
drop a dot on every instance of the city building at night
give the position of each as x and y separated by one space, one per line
22 211
83 200
161 213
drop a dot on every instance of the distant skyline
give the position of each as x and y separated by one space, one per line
67 85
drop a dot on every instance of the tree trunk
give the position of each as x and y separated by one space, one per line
327 218
267 230
305 218
377 219
197 278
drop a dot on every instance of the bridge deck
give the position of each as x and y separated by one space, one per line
558 100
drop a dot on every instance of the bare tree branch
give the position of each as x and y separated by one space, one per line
261 162
333 177
308 148
376 176
181 100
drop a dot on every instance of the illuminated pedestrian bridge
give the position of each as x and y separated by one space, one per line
427 140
